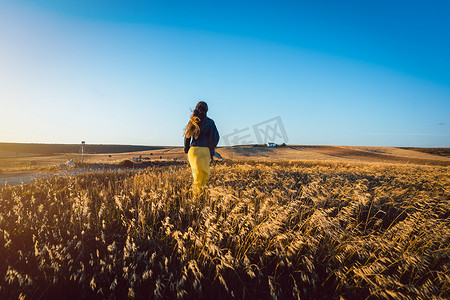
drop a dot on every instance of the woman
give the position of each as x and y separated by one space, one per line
200 140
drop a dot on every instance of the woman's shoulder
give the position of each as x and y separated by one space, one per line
209 121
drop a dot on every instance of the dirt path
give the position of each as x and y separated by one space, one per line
17 178
29 177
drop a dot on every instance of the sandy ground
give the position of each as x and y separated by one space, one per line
236 153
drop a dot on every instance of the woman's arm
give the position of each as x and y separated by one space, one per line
216 136
213 139
187 144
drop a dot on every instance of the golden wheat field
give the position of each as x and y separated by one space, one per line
263 230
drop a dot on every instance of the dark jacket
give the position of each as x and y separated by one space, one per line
208 137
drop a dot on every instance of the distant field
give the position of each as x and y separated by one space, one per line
47 149
435 151
333 153
16 157
32 157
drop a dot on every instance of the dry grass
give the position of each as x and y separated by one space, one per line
264 230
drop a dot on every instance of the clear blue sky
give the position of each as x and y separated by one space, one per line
373 73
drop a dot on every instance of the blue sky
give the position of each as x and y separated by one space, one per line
370 73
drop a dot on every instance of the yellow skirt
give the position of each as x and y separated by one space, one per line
199 159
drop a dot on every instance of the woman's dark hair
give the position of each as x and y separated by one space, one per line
197 120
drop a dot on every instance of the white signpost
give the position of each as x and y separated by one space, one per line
83 144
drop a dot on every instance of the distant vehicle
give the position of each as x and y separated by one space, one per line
272 145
